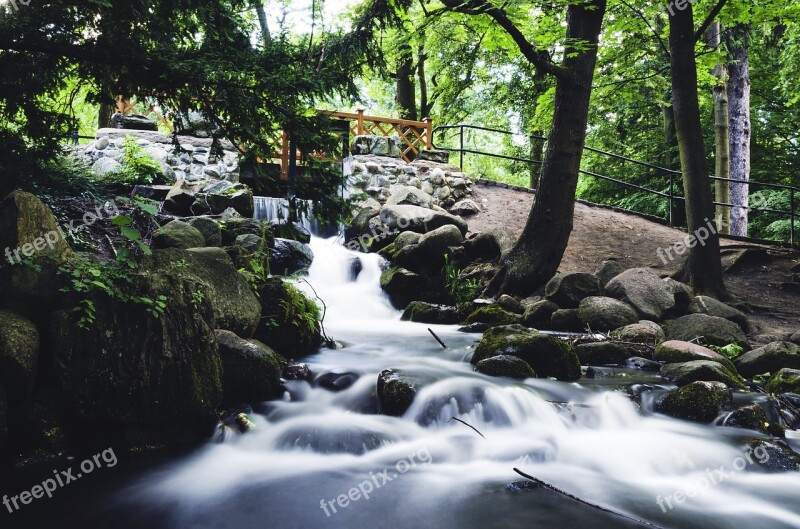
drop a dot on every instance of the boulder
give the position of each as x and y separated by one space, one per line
106 166
753 417
510 304
712 307
713 330
684 373
607 271
421 312
251 371
133 122
436 242
180 199
290 257
465 208
408 195
434 155
178 234
290 230
239 197
539 313
335 382
19 355
490 245
643 364
401 285
605 314
547 355
775 456
784 381
566 320
643 290
395 393
682 294
647 332
420 220
290 322
770 358
675 351
698 401
795 338
234 227
601 353
505 366
567 290
211 231
494 315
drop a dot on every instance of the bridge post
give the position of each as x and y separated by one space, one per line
360 122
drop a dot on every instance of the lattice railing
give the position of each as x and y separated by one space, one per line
415 136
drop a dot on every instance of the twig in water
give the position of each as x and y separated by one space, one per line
593 505
329 342
444 346
467 424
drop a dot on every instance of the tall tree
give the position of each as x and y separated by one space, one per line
406 97
721 136
740 129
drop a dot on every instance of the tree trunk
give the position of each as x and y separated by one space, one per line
672 161
721 140
703 267
537 142
538 252
107 110
406 95
258 7
425 105
739 120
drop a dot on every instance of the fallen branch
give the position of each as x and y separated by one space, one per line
444 346
467 424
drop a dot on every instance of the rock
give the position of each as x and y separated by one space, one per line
401 285
475 328
434 155
376 145
753 417
465 208
336 381
133 122
251 371
493 315
601 353
240 198
178 234
566 320
235 227
153 192
209 228
510 304
297 372
419 219
180 199
684 373
547 355
795 338
539 313
775 456
643 364
106 166
681 293
646 332
490 245
642 289
101 143
395 393
505 366
290 322
408 239
607 271
421 312
436 242
698 401
568 289
19 355
784 381
713 330
604 314
251 244
360 223
290 257
290 230
675 351
712 307
770 358
410 196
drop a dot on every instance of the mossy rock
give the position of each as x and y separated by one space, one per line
505 366
676 351
566 320
539 313
547 355
713 330
178 234
601 353
770 358
421 312
290 322
395 393
19 355
605 314
290 230
753 417
775 456
209 228
234 227
784 381
646 332
567 290
402 286
698 401
684 373
493 315
251 371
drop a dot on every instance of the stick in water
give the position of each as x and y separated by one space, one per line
467 424
444 346
575 498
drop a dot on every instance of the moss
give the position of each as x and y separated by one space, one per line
505 366
495 315
753 418
422 312
698 401
601 353
785 381
290 322
684 373
395 394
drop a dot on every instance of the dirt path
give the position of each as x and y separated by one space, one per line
601 234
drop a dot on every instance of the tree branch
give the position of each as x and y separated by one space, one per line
709 19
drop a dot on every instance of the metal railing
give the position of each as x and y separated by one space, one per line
675 177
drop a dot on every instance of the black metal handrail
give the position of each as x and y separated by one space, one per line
671 196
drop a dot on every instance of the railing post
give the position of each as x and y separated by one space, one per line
461 147
285 156
791 222
671 197
428 133
360 123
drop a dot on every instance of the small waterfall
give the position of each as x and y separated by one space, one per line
272 208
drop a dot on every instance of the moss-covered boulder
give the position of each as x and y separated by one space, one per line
395 393
290 257
713 330
402 286
421 312
129 369
19 355
209 228
753 417
713 307
178 234
566 320
642 289
684 373
568 289
493 315
605 314
784 381
675 351
28 231
290 322
770 358
251 371
601 353
505 366
698 401
775 456
646 332
547 355
538 313
237 196
234 227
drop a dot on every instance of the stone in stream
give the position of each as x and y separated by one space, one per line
605 314
601 353
769 359
290 230
234 227
684 373
251 371
566 320
297 372
290 257
290 322
784 381
401 285
538 313
643 364
646 332
699 401
493 315
505 366
510 304
642 289
395 393
713 330
567 290
753 417
421 312
675 351
775 456
19 355
335 381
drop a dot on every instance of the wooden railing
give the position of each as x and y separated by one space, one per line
415 136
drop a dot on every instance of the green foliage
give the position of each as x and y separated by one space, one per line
731 350
460 290
142 213
137 167
256 269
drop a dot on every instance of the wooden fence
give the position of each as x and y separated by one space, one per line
415 136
